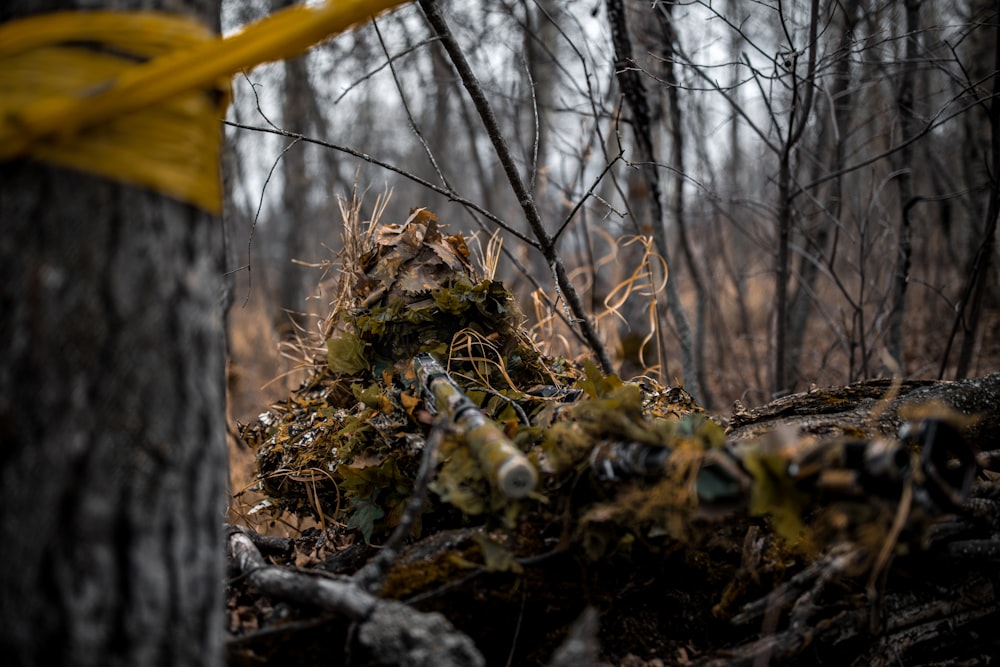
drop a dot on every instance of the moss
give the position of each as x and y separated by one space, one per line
407 580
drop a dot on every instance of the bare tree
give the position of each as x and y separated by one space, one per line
973 293
636 99
841 118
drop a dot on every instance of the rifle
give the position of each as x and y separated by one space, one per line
506 466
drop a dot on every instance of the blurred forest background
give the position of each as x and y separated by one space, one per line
817 177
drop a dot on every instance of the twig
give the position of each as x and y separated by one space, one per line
267 543
838 560
409 114
590 193
452 196
256 217
376 70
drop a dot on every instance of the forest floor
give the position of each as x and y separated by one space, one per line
732 594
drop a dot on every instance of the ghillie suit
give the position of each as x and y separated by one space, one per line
345 446
687 534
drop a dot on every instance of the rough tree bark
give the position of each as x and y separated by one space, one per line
112 469
907 128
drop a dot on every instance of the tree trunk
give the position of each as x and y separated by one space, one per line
832 140
300 225
668 50
787 358
634 94
112 471
906 164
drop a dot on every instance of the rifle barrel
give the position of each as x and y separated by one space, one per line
506 466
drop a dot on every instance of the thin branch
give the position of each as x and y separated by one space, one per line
256 217
937 121
416 47
545 243
409 114
449 194
587 195
537 130
974 286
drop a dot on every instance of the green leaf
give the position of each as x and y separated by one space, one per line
774 493
346 354
496 557
369 395
364 516
460 481
595 383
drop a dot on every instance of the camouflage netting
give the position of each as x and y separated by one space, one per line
689 534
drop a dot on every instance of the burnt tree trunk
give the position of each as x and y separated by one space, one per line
113 458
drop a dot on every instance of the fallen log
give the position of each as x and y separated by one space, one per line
877 407
391 632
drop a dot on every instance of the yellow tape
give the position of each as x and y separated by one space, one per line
138 96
